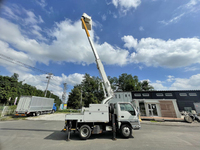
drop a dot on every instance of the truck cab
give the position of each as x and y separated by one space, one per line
126 114
54 108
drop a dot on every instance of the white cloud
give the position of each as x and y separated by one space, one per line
173 20
31 18
191 69
112 55
103 17
172 83
192 83
9 56
170 78
157 52
190 8
158 85
126 5
141 28
130 41
78 48
40 81
42 3
73 79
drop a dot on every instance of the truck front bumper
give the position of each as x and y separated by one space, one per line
135 125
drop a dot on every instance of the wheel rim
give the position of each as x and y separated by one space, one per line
84 132
126 131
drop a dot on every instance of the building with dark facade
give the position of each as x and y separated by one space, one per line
162 103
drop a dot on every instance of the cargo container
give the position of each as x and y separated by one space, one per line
34 106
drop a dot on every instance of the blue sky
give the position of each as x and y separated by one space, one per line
157 40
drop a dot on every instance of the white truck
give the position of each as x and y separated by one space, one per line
34 105
119 116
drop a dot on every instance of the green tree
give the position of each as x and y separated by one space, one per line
126 82
145 86
10 87
74 98
15 76
91 90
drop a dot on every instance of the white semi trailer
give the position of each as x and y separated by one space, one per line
97 118
34 105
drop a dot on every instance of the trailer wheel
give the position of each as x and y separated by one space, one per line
126 131
85 132
37 113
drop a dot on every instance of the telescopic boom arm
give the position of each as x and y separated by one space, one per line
87 25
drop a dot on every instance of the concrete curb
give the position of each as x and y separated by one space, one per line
170 123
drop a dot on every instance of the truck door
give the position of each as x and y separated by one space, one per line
127 113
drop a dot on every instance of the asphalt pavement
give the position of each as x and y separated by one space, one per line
46 135
61 117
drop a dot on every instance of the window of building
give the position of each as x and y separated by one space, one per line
183 94
115 95
168 94
159 94
137 94
142 108
145 94
192 94
129 95
119 95
125 95
188 109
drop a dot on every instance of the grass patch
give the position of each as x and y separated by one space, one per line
12 117
153 121
68 111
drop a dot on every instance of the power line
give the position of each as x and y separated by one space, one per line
11 60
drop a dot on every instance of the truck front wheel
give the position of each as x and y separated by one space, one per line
84 132
126 131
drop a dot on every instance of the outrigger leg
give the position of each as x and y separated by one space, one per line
69 130
113 127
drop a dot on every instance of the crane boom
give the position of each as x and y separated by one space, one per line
86 23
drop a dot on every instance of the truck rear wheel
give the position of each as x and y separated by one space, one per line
126 131
85 132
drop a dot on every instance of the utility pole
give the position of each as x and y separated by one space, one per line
64 93
48 77
50 93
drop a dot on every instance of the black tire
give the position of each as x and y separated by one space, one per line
85 132
126 131
37 113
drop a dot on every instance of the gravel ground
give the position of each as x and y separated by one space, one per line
61 117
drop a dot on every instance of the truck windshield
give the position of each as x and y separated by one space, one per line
127 107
